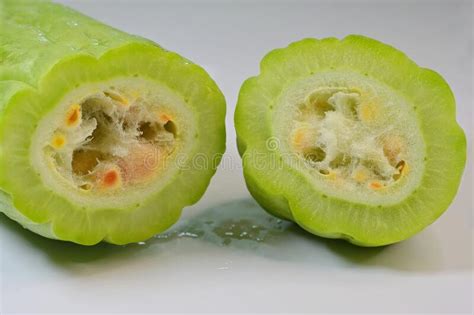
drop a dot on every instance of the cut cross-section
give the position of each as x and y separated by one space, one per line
346 138
99 129
121 137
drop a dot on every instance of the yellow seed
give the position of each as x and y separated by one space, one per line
392 147
303 137
58 141
405 169
332 175
361 175
73 116
298 137
402 167
117 97
368 112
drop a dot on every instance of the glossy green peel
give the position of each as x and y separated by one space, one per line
99 129
350 139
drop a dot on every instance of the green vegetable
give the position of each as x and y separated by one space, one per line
99 129
350 139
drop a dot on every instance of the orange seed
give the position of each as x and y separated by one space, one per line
165 118
111 179
73 115
375 185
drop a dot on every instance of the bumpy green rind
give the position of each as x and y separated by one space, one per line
287 193
48 50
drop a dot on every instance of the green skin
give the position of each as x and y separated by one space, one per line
46 51
286 193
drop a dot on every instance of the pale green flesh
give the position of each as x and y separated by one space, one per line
58 58
286 179
9 210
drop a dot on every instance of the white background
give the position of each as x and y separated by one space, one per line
287 270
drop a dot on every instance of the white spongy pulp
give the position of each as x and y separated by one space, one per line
352 136
341 132
111 131
121 127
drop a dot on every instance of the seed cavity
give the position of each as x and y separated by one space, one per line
170 126
335 132
148 131
324 172
85 161
112 139
86 187
314 154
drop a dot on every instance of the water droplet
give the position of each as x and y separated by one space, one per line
141 243
188 234
72 23
42 37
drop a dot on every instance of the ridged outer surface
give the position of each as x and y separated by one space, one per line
46 51
285 192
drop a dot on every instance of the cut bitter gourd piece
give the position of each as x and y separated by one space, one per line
350 139
99 130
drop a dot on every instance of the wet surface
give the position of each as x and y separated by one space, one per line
240 227
232 250
239 223
190 268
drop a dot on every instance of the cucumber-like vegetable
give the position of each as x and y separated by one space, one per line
350 139
99 129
